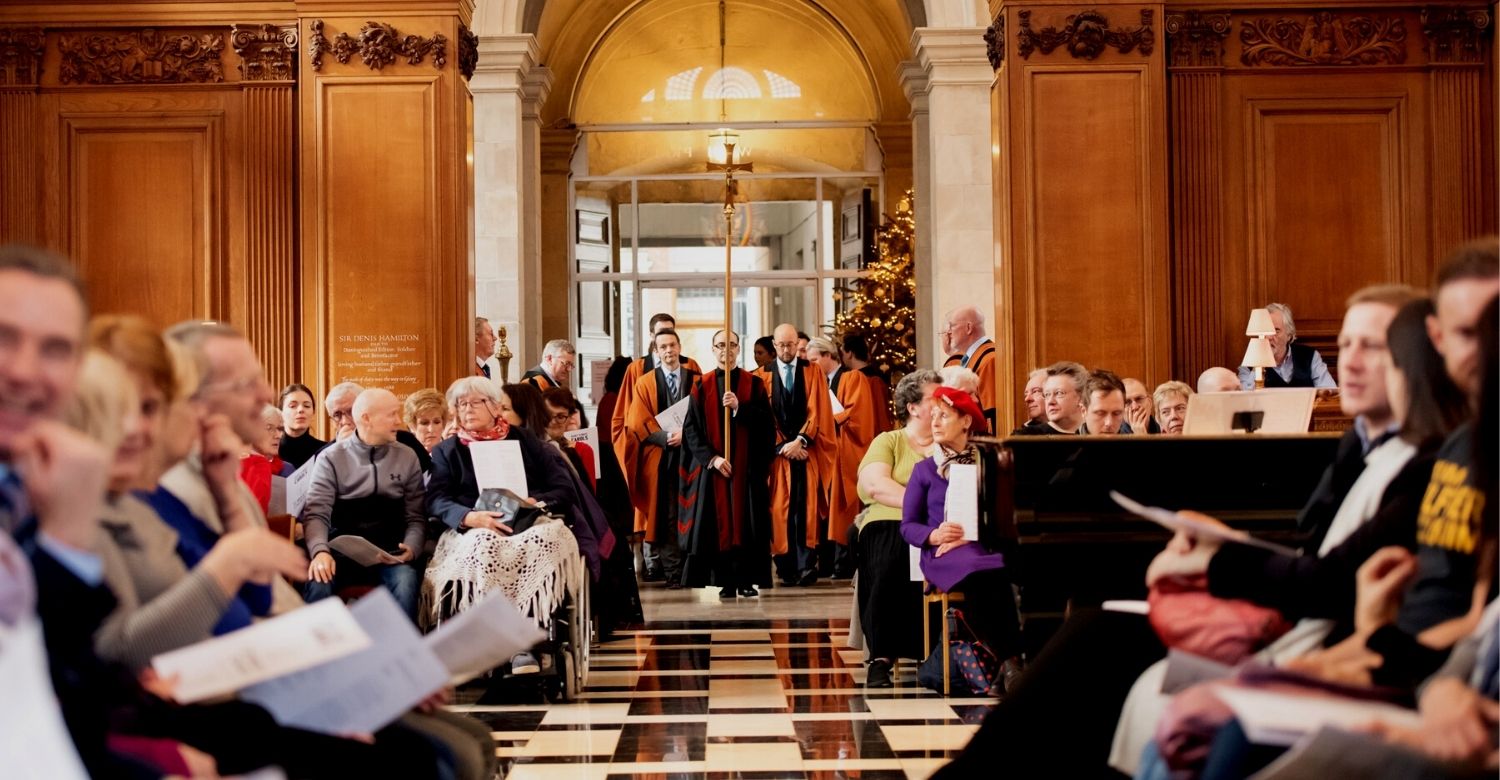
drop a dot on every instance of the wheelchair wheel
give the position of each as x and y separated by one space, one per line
567 678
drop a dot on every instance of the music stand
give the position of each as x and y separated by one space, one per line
1281 410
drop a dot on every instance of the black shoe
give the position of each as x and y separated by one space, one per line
651 575
879 675
808 578
749 591
726 592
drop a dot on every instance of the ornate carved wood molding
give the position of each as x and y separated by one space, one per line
143 56
1196 39
378 45
21 51
468 51
1085 36
994 41
1455 35
267 52
1324 38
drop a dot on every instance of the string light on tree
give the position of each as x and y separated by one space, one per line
882 305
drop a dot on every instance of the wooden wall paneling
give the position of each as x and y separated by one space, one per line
143 213
1462 102
1329 194
270 293
1195 55
1009 376
385 263
1087 244
20 73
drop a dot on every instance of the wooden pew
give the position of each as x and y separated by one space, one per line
1077 548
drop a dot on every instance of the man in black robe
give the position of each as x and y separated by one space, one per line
723 527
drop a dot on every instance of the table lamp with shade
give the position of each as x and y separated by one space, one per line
1258 353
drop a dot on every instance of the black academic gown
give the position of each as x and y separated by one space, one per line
724 523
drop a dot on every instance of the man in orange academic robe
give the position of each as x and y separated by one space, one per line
856 357
653 456
966 345
857 423
805 442
637 368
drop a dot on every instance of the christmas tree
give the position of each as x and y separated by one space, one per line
882 305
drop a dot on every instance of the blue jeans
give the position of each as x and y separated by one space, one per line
402 580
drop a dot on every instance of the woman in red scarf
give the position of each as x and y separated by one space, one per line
478 553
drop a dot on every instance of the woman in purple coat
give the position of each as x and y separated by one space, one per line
976 568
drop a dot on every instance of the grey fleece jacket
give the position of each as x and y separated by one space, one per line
352 469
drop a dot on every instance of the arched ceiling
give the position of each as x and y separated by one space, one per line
570 33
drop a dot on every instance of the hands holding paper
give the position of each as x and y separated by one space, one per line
947 537
674 439
1457 724
1187 554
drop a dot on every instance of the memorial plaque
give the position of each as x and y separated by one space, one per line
395 361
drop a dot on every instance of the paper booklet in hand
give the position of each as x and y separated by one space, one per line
498 464
362 551
674 417
1174 521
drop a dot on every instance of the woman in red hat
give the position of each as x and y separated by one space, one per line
975 567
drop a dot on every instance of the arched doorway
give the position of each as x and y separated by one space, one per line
645 215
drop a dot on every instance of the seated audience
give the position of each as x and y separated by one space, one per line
479 553
297 445
340 406
950 563
1105 395
1296 365
885 594
427 416
1171 400
1036 411
565 414
1140 412
161 606
1218 380
260 467
56 529
368 486
1062 400
960 378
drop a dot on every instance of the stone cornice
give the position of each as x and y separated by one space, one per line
952 55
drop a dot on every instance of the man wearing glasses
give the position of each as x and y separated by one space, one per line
1062 401
558 359
803 466
654 455
723 528
340 406
964 342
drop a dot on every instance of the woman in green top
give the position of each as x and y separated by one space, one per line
890 603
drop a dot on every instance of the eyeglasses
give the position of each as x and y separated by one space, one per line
470 403
1058 394
561 416
336 416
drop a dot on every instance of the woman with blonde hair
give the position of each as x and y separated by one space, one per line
427 416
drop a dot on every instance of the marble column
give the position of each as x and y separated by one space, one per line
948 85
509 88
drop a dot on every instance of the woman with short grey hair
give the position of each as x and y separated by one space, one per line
889 601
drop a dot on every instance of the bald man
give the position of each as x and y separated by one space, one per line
964 342
370 486
1218 380
805 440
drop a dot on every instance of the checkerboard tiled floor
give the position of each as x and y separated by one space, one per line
744 696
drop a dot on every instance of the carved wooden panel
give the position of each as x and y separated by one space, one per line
1198 217
1331 186
1095 283
143 212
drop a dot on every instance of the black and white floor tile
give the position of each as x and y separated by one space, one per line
754 688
